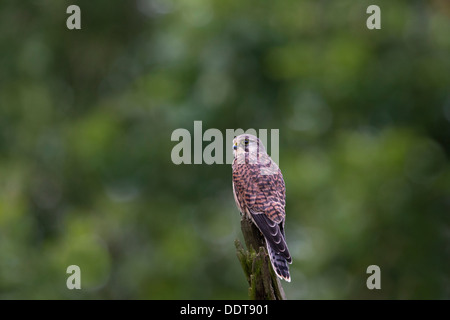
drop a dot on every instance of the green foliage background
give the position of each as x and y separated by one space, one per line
86 119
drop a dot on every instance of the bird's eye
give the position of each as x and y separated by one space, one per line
246 142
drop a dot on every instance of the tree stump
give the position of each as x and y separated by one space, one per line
262 280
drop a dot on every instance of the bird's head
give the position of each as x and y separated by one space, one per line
247 146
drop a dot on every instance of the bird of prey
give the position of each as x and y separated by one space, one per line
259 192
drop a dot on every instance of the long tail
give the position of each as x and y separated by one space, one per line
279 264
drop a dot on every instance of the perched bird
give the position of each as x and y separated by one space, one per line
259 192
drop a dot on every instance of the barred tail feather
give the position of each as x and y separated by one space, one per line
279 264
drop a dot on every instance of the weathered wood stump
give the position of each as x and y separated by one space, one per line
262 280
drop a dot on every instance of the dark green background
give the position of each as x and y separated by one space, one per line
86 118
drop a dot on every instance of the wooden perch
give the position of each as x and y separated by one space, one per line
262 280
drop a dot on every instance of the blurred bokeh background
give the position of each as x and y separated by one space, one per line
86 118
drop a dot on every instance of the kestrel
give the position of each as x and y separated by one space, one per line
259 192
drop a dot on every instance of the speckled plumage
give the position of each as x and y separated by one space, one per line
259 192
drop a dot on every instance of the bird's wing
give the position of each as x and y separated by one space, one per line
266 194
265 202
273 233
